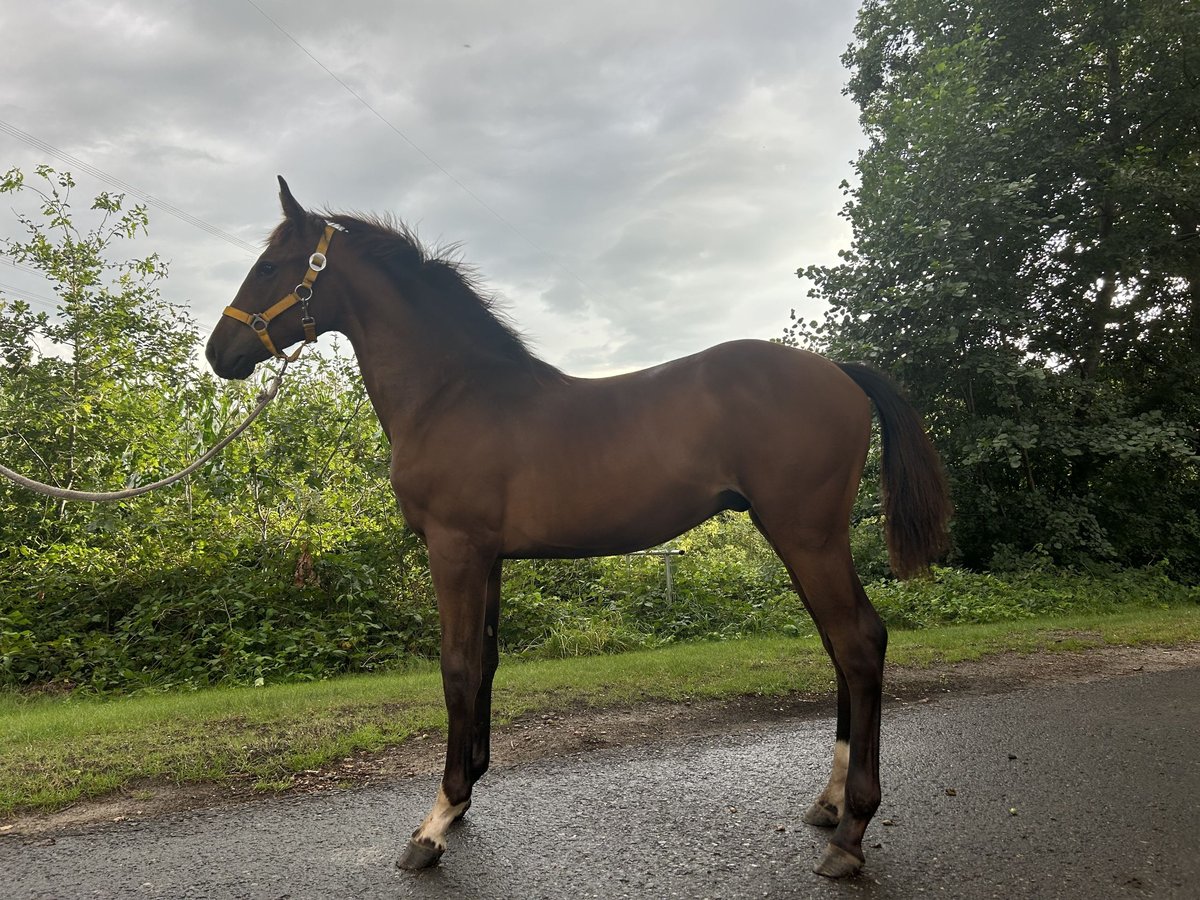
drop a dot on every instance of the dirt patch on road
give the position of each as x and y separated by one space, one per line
556 734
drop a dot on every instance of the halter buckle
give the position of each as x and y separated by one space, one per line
318 261
258 323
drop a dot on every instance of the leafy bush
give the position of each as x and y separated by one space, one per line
727 583
207 621
954 596
235 614
286 558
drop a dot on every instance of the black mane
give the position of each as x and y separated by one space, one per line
439 285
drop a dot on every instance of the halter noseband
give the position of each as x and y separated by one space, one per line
302 295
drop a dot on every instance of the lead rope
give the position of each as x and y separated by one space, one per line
265 396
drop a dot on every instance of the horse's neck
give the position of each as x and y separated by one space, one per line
406 367
399 372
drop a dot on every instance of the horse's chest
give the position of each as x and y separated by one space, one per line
436 494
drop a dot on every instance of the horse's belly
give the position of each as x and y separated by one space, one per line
575 524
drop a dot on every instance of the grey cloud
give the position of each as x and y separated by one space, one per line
662 167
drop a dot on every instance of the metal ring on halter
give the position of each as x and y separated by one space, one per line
317 262
303 292
258 323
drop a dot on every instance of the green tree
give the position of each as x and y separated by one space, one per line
89 393
284 558
1026 259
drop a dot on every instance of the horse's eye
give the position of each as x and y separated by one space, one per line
266 268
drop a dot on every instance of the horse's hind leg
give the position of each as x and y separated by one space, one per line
856 639
826 810
460 577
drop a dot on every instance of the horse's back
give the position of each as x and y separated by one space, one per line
734 372
783 396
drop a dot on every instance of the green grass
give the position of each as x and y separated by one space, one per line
56 750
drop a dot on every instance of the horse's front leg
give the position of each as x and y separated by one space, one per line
460 572
481 755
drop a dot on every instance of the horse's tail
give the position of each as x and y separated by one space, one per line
916 499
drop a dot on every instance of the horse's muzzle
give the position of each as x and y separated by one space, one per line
238 368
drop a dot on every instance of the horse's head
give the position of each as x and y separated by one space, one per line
271 310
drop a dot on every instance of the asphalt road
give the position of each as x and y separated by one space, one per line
1084 790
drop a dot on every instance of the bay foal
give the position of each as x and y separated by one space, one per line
498 455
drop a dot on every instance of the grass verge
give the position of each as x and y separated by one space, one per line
55 751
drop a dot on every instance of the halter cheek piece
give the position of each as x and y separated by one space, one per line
302 295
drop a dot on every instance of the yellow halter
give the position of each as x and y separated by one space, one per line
302 295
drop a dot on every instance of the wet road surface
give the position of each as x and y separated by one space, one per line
1072 790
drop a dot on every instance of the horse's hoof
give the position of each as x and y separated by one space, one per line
838 862
419 855
823 815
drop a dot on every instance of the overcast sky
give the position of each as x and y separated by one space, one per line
642 179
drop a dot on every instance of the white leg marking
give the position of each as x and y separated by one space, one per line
433 829
835 792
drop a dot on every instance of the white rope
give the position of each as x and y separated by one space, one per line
267 395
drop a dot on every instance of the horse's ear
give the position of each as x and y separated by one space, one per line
291 209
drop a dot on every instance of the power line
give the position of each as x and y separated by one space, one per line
16 265
28 295
23 294
404 137
128 188
49 304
